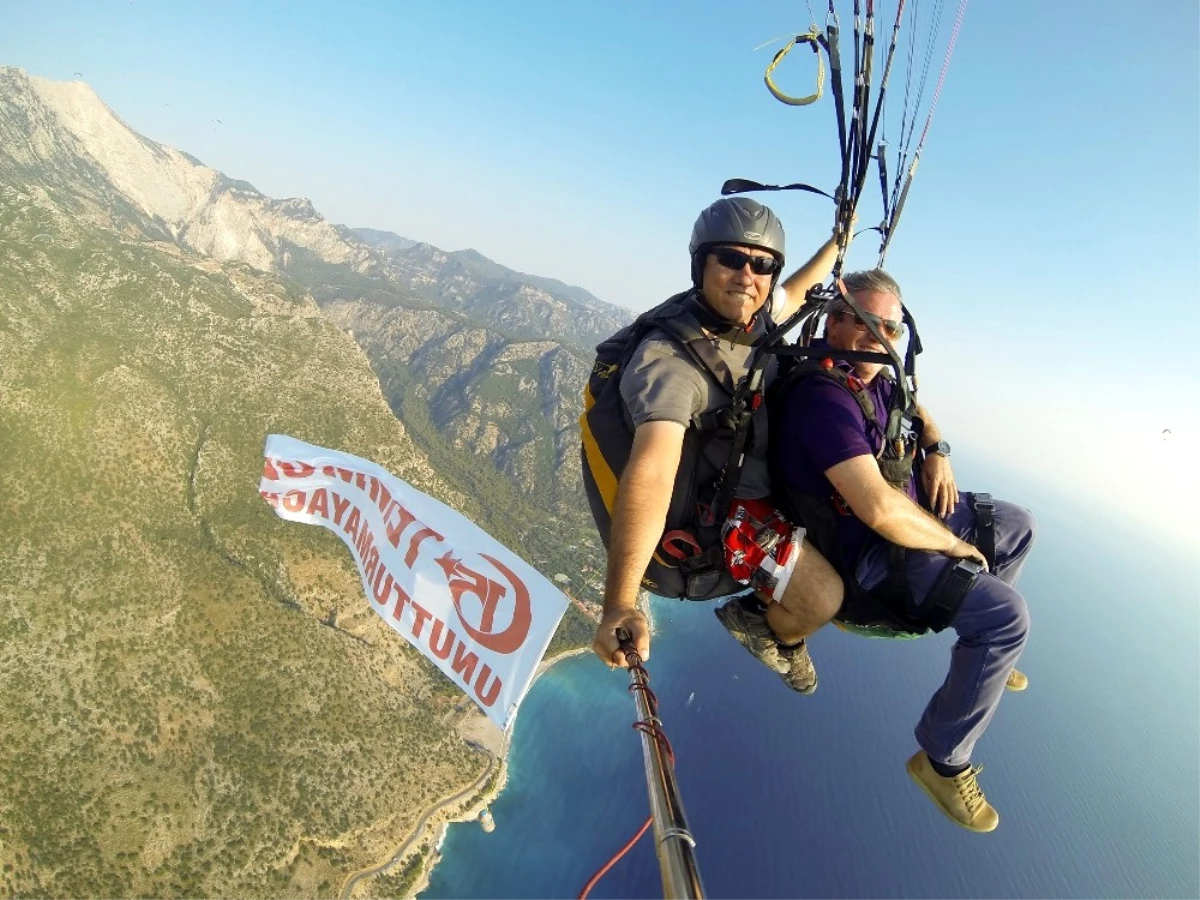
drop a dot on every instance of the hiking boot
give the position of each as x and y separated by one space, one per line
801 676
1017 681
747 622
959 797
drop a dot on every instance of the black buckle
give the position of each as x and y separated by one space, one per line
947 594
984 508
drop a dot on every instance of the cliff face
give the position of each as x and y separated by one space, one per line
64 132
493 360
195 698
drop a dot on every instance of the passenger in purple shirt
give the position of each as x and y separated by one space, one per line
842 434
827 453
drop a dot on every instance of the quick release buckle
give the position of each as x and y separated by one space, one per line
985 507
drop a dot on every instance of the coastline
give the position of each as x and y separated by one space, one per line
478 729
545 664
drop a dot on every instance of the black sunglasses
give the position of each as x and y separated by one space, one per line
893 329
736 260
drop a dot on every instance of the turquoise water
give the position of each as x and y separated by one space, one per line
1095 769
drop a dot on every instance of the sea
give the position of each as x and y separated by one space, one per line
1095 769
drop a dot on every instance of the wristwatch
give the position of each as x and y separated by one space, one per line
941 447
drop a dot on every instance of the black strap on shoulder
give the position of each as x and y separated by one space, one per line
668 316
890 454
746 401
812 369
821 351
899 426
985 527
697 329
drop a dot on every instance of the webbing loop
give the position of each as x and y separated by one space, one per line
985 527
686 538
812 38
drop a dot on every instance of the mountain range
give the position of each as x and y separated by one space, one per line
197 699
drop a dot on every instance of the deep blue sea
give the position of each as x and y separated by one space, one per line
1095 769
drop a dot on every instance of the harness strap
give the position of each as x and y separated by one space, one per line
680 536
745 403
947 594
985 527
741 185
895 455
803 352
890 602
881 158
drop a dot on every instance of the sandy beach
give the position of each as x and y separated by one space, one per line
476 728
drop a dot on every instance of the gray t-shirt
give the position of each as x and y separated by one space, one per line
662 383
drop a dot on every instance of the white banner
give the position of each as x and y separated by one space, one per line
475 609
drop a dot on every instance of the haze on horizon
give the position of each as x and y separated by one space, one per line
1048 249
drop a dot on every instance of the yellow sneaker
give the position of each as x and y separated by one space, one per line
959 797
1017 681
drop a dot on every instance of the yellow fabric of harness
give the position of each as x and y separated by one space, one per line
606 479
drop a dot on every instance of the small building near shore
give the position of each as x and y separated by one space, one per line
486 820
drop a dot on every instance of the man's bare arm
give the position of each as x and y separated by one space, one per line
891 514
815 271
643 497
937 476
930 433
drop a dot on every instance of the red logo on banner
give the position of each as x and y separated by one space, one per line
489 594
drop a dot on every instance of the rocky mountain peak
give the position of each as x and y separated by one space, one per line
159 180
55 122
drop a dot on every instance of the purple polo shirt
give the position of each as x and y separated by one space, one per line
822 425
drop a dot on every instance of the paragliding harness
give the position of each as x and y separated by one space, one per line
859 107
889 608
690 560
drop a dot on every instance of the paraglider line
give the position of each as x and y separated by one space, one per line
937 91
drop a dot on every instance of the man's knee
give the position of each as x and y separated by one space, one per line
993 612
1018 524
1017 611
815 589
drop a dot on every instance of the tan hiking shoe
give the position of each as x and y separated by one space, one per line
801 675
959 797
748 625
1017 681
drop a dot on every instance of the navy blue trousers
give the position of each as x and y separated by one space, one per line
992 626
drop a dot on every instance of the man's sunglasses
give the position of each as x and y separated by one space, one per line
893 329
736 260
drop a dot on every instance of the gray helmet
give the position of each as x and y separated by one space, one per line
735 220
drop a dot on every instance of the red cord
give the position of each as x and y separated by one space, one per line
614 859
648 726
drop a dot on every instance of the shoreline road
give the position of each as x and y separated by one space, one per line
353 880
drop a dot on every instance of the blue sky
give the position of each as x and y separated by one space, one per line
1048 250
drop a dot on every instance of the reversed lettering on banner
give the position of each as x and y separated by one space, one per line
481 614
